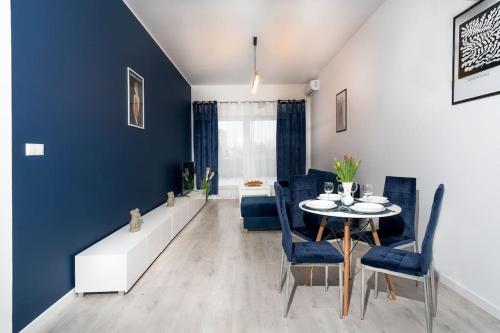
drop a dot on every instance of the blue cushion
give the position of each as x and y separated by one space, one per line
393 260
315 253
261 223
258 207
390 241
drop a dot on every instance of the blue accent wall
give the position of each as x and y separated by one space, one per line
70 93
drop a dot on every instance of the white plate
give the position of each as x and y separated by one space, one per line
330 197
321 204
368 207
374 199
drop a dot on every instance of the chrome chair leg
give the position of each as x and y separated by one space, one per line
431 317
433 291
285 308
341 289
427 305
431 305
363 292
415 249
375 292
282 263
326 278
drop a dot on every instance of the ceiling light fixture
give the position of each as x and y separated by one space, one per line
255 81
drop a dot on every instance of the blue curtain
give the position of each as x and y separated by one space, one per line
291 139
206 142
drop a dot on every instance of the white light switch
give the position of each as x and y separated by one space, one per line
34 149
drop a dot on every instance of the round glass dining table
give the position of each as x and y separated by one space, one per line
348 215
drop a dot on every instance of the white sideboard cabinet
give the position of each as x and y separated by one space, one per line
116 262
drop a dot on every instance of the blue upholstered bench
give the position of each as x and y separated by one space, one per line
259 213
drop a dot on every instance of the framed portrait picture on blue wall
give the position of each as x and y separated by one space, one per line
135 96
476 52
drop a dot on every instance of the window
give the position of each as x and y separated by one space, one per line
247 144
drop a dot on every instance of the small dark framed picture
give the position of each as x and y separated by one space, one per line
341 111
476 52
135 96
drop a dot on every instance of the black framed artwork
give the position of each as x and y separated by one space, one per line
341 111
135 96
476 52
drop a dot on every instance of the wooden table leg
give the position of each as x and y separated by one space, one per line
319 235
392 291
324 221
347 249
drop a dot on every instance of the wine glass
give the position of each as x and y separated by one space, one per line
354 188
340 190
328 187
367 190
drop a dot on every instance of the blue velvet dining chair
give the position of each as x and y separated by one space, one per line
397 231
409 265
304 225
304 254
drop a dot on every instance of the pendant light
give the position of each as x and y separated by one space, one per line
255 81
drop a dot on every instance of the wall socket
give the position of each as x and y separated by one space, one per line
35 149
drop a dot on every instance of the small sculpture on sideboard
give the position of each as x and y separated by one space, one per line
170 199
135 221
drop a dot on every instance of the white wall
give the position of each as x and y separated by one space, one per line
5 171
397 71
270 92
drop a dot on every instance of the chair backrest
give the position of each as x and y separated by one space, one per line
301 188
327 176
431 229
286 239
322 177
401 191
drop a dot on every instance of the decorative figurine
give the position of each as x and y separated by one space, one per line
171 199
135 221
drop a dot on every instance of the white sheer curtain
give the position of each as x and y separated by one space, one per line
247 144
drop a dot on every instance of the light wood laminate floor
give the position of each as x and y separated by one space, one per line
215 278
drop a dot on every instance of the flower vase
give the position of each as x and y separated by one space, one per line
347 199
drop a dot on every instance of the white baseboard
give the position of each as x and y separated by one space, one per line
37 324
484 304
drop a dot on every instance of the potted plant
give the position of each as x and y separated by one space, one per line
346 173
206 182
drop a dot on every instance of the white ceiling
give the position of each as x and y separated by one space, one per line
210 41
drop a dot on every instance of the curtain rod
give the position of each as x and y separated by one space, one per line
279 100
229 102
